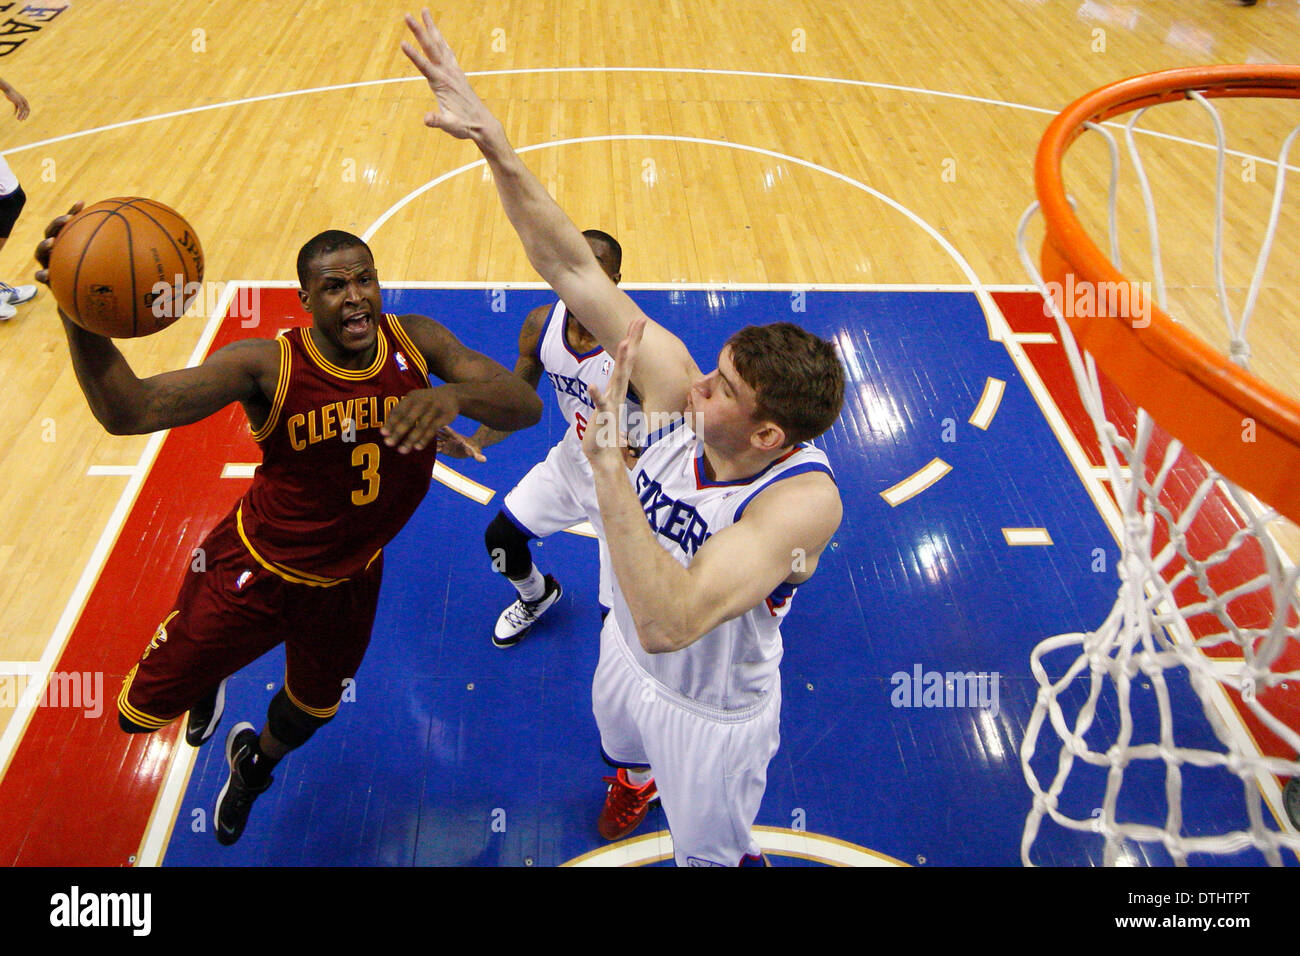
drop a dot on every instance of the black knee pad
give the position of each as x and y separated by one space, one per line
503 538
288 723
10 207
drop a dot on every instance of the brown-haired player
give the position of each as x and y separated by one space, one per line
347 420
724 515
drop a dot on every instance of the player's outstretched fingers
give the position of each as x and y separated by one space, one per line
415 420
46 244
408 432
460 112
625 359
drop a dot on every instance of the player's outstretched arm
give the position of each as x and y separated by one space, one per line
554 245
128 405
780 537
477 387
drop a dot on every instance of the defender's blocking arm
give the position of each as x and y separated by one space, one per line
555 247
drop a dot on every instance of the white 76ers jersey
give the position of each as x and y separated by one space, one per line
570 373
732 668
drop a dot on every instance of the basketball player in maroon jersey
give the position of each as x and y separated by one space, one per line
347 422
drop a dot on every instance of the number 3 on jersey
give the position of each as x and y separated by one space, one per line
366 457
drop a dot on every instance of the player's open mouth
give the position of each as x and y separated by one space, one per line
356 325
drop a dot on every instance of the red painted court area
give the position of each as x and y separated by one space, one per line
78 791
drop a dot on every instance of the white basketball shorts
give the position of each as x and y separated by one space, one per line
710 769
8 181
557 493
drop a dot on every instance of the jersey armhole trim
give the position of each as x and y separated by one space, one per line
805 468
405 341
281 390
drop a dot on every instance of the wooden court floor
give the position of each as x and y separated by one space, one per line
726 141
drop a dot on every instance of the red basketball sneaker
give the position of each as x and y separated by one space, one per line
625 806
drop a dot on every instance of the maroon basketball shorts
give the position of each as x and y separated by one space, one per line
230 611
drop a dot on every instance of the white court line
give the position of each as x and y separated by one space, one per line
402 284
994 320
22 714
458 482
987 406
238 469
163 818
1024 537
1034 338
997 326
917 482
754 74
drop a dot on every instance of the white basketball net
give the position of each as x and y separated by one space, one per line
1192 586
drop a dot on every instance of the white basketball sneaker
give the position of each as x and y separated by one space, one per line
515 620
16 294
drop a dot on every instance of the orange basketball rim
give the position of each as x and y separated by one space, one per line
1190 389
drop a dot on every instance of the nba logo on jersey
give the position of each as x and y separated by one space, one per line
400 359
606 365
242 580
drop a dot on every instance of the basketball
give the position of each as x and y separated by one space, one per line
126 267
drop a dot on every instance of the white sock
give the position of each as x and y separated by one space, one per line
532 587
639 778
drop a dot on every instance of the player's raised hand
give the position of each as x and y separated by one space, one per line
460 112
51 233
604 437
